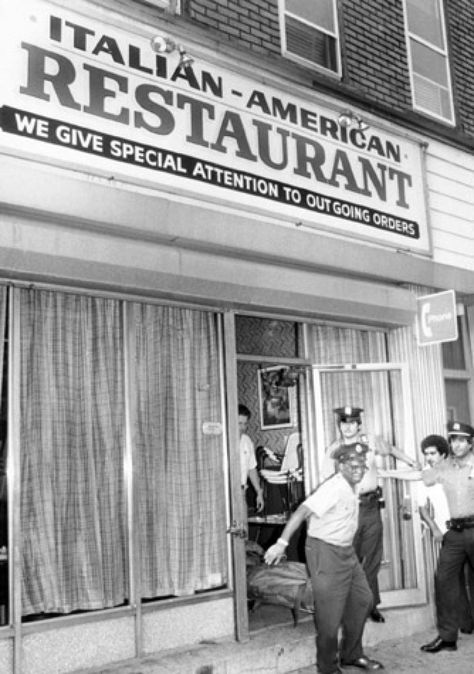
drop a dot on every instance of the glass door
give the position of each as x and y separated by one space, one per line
383 391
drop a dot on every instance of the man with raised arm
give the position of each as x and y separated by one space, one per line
342 596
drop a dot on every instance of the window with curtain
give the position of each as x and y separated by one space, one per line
309 33
335 345
428 58
73 506
181 482
73 484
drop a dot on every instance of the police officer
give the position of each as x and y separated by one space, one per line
342 596
368 541
456 475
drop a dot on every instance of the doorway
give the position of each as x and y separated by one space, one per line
271 374
267 348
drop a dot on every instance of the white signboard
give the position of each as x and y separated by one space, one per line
79 92
437 319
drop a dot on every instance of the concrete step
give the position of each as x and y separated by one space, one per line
278 649
275 650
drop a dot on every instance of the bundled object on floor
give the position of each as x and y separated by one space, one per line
286 584
253 554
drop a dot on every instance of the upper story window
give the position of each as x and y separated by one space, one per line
428 58
173 6
309 33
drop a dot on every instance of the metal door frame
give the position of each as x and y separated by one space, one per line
235 510
390 598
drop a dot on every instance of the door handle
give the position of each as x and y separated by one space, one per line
406 509
237 529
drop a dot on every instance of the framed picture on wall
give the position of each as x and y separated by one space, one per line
277 400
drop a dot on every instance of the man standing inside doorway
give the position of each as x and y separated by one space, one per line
368 539
248 461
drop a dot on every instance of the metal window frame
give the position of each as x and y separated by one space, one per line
15 628
467 373
410 35
397 598
172 6
283 13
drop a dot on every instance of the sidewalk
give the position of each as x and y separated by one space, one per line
284 649
403 655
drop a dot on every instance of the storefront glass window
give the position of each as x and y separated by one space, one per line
453 352
181 484
73 506
458 374
457 398
73 483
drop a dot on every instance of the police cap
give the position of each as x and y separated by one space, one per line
348 413
460 428
356 450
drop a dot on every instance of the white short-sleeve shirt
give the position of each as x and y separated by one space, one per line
247 458
439 503
335 509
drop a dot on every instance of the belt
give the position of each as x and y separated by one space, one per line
369 496
460 523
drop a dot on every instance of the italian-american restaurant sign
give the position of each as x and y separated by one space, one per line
81 92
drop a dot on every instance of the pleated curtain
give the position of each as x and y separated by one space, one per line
73 517
369 390
181 481
380 395
73 508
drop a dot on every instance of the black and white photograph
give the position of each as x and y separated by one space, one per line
236 336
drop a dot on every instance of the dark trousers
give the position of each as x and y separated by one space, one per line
466 598
368 543
341 597
458 546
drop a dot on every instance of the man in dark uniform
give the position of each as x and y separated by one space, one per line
368 540
342 596
456 475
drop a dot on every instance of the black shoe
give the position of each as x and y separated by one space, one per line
364 663
467 630
439 644
376 616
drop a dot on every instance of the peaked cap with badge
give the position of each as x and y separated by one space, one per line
460 428
348 413
356 450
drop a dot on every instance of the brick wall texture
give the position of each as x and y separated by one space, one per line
250 23
373 47
374 50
